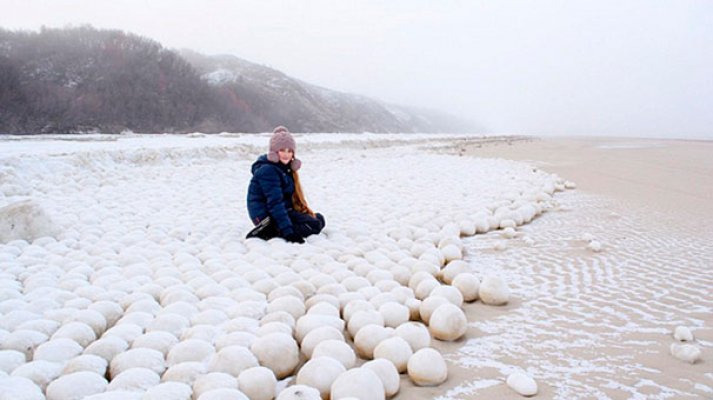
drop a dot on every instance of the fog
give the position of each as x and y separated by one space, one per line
615 68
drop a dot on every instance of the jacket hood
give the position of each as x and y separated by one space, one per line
262 160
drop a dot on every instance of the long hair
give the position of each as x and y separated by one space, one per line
298 197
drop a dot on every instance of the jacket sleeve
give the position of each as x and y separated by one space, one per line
269 180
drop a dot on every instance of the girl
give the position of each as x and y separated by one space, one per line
276 203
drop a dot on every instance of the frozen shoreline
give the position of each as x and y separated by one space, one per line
112 207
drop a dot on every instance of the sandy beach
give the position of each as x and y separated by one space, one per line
596 325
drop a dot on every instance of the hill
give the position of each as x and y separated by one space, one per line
90 80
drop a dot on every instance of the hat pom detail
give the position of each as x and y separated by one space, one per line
273 156
295 164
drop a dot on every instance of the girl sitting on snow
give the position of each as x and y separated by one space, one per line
276 203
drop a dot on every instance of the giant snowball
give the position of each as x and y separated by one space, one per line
396 350
76 386
317 336
448 322
360 383
337 349
369 337
190 350
415 334
468 284
258 383
426 367
136 358
25 220
232 360
494 291
387 372
277 351
213 380
320 373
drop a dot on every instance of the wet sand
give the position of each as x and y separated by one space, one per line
595 324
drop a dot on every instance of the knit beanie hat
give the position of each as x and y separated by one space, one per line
282 139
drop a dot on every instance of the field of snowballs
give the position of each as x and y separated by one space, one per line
125 272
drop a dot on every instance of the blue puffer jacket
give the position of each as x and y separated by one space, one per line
270 193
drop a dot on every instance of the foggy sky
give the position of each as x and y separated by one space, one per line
605 67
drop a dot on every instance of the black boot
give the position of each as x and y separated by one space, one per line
264 230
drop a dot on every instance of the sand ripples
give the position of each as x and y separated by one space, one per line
596 324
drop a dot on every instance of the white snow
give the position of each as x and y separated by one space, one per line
143 262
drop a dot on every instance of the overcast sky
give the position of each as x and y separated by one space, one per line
604 67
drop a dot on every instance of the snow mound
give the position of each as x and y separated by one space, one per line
25 220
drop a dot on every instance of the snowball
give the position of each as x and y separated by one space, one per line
415 334
134 379
394 314
426 367
158 340
24 342
414 307
451 252
683 334
18 388
355 306
338 350
388 374
686 352
494 291
281 316
272 327
291 304
449 293
452 269
11 359
25 220
76 386
40 372
186 372
107 347
57 350
320 373
137 358
190 350
299 392
362 318
448 322
468 284
213 380
595 246
429 305
360 383
93 319
368 338
522 384
425 287
317 336
324 308
509 233
258 383
277 351
232 360
127 331
309 322
396 350
86 362
110 310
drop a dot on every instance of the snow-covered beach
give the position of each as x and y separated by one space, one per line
141 230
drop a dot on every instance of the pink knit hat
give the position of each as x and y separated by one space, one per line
282 139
